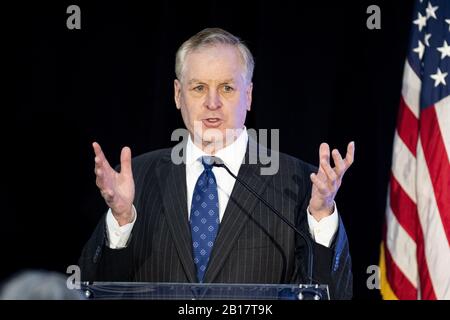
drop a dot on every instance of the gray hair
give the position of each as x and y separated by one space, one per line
211 37
38 285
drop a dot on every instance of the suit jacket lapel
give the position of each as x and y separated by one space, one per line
172 181
239 208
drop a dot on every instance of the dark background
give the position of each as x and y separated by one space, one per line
320 75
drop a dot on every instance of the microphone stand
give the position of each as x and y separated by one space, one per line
218 163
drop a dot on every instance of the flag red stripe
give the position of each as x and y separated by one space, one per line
437 162
404 208
426 286
405 211
400 285
407 126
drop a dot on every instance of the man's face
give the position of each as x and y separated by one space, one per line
213 94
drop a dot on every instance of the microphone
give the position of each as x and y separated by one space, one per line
219 163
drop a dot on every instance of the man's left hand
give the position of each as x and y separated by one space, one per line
327 180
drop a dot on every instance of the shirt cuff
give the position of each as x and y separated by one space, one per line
323 231
118 235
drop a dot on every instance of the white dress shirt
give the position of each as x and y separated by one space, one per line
232 155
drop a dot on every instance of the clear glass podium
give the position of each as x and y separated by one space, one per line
203 291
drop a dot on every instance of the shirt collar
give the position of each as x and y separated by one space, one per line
232 155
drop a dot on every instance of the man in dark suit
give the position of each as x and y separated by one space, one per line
174 217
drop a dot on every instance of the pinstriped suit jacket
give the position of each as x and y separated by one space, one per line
252 246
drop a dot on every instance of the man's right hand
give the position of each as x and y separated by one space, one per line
116 188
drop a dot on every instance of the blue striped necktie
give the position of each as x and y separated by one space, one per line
204 217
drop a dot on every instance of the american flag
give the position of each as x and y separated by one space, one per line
415 254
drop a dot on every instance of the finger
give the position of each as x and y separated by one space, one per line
125 161
100 158
100 184
338 162
331 174
324 152
320 185
349 157
97 150
99 181
320 171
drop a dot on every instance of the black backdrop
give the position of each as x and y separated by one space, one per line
320 75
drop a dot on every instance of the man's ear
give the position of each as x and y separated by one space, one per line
177 93
249 95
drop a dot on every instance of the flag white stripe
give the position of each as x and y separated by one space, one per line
437 251
404 167
411 89
401 247
443 115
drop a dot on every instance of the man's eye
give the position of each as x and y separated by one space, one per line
199 88
228 88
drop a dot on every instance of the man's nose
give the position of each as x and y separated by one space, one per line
213 100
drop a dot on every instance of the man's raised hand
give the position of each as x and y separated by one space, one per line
327 180
116 188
